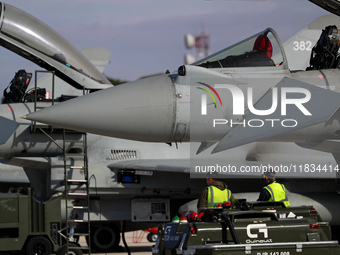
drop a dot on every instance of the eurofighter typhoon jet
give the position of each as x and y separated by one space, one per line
183 107
239 95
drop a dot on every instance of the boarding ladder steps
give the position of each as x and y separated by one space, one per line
77 190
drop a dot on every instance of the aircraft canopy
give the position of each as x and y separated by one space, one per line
261 49
32 39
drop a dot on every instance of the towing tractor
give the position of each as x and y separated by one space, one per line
32 228
28 226
254 228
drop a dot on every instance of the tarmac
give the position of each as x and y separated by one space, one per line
136 241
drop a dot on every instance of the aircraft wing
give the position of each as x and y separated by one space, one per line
332 6
243 134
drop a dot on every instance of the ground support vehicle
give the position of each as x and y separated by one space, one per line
28 226
31 227
259 232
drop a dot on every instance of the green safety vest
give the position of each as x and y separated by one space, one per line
277 193
217 196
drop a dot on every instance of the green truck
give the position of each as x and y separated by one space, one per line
258 229
28 226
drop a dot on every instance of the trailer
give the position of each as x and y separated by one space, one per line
260 232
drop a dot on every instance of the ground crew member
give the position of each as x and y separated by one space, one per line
216 193
273 191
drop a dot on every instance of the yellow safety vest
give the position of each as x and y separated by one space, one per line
217 196
277 193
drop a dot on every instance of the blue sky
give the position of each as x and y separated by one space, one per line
147 36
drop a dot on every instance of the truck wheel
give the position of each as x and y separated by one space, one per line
152 237
63 250
38 245
105 238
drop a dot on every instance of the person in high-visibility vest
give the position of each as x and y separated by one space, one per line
216 193
273 191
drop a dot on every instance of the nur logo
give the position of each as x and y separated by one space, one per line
280 101
204 97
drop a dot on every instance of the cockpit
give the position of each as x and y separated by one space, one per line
34 40
261 49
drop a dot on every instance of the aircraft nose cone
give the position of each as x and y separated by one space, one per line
142 110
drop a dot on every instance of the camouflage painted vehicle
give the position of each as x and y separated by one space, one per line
272 230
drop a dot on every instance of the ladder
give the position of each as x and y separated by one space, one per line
71 185
35 126
71 193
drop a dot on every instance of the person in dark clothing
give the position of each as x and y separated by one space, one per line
217 192
273 191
